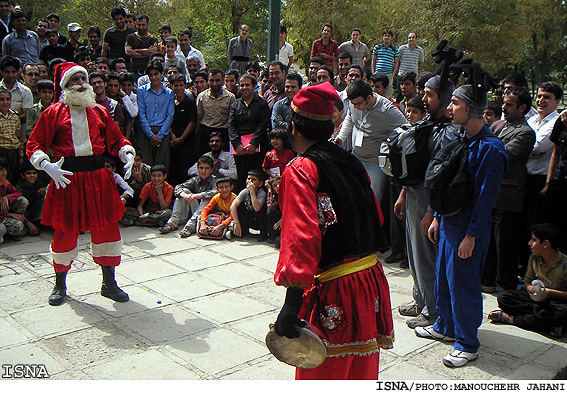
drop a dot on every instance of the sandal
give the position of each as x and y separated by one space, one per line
185 232
500 317
167 228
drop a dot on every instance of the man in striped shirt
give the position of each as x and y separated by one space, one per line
386 58
411 55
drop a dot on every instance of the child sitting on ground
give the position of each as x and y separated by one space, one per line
33 189
155 202
126 191
249 209
274 214
141 175
542 309
191 197
415 110
276 159
12 208
222 203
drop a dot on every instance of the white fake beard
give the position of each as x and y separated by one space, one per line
72 96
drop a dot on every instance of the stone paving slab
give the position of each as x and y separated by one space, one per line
200 309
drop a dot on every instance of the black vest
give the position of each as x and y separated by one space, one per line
350 223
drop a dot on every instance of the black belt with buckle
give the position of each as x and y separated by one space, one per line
83 164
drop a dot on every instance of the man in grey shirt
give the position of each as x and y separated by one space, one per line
358 50
371 118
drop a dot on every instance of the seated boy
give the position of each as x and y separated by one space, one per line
546 264
141 175
126 192
12 208
191 197
155 202
33 189
249 208
221 202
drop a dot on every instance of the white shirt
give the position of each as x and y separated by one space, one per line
286 51
192 52
538 162
131 104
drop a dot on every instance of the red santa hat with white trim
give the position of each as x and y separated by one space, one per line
63 74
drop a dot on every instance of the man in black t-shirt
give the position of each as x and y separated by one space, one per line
115 37
140 45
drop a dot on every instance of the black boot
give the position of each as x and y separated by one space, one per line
60 290
109 287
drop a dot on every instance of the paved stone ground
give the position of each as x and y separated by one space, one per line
200 310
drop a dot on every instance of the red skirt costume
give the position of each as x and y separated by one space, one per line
91 201
331 218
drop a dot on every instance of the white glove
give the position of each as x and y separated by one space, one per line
56 173
128 165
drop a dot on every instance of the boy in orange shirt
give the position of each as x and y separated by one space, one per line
220 202
155 202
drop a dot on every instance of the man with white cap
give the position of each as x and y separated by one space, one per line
74 42
331 230
82 195
464 236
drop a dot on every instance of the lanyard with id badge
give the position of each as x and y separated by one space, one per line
359 133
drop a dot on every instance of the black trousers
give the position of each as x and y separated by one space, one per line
250 218
506 245
245 164
531 315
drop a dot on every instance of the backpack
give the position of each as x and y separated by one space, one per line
404 155
448 190
213 219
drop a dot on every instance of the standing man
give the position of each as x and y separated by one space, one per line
281 108
21 43
412 204
407 89
41 26
314 65
330 233
371 118
53 20
326 48
286 50
95 47
277 72
74 42
501 267
30 74
5 26
345 61
213 107
355 48
464 237
99 81
185 50
115 37
411 55
537 206
54 49
140 45
239 50
386 59
79 132
248 129
155 110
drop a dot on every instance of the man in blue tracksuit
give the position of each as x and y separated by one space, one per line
464 237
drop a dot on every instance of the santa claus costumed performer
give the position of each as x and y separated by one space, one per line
331 230
82 195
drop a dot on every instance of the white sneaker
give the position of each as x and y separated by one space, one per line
459 358
228 235
429 332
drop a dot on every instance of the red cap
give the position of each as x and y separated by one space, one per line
316 102
63 74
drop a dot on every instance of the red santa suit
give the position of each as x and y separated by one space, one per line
91 201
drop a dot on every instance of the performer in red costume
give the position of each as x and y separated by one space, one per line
331 230
82 195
